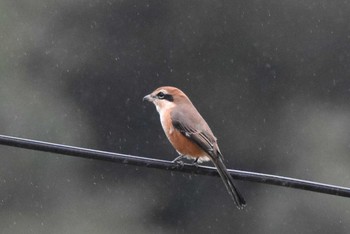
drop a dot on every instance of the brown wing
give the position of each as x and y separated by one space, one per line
194 127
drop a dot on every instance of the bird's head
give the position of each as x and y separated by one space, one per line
166 97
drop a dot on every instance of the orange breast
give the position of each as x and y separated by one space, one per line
182 144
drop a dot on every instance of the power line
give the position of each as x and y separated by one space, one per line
168 165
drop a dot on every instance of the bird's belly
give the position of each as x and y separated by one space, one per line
185 146
182 144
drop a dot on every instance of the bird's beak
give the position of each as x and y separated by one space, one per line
148 98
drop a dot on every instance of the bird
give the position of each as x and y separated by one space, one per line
190 134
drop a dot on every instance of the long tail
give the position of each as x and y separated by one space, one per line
228 181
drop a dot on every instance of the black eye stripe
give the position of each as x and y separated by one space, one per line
169 97
162 95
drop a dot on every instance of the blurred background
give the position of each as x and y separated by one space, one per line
270 77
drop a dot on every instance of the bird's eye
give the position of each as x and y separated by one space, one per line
160 95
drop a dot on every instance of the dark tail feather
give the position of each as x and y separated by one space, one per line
228 181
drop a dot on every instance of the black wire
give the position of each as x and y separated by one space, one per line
168 165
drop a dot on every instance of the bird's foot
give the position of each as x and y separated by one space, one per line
195 162
178 161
